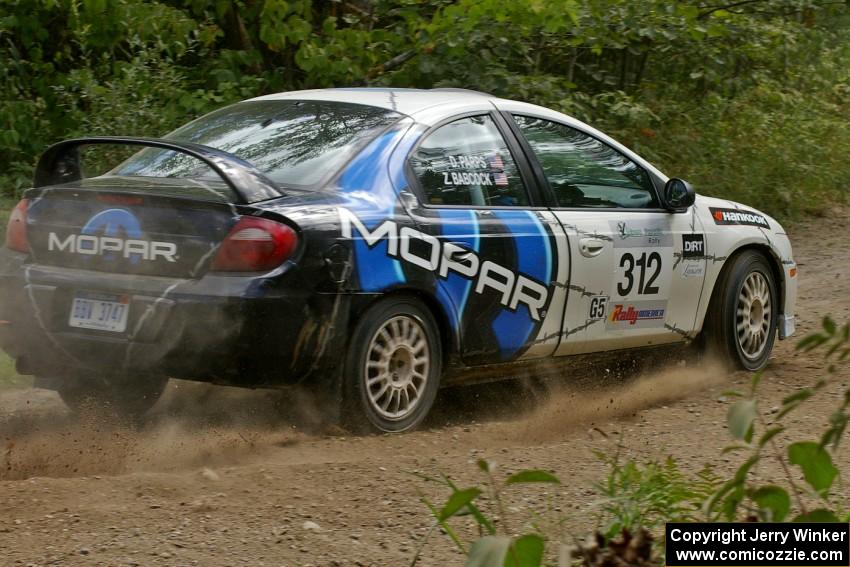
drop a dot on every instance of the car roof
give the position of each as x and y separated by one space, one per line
403 101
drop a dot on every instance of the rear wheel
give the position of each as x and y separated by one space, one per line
393 367
125 396
741 323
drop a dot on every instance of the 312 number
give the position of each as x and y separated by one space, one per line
646 265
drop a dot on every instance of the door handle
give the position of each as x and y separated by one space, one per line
591 247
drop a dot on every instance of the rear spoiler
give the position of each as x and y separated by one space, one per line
60 163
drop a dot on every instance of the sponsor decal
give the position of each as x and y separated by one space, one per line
637 315
430 253
738 217
630 315
693 246
111 234
640 234
598 304
693 270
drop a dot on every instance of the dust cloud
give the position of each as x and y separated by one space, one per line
193 425
567 409
198 425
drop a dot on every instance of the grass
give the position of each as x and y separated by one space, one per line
8 377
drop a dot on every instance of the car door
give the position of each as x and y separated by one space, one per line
502 255
637 269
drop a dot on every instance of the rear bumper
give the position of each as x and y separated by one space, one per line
248 331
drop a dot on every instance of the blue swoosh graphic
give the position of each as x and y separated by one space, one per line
534 259
461 227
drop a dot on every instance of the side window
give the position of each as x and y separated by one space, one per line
583 171
466 162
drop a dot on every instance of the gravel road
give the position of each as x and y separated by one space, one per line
224 477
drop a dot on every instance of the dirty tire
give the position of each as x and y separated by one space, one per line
392 370
742 317
127 397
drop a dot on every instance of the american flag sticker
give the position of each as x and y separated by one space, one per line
500 178
496 162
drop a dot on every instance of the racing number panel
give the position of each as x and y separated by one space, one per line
632 280
632 284
637 269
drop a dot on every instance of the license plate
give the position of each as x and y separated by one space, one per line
100 311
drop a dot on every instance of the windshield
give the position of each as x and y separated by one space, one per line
296 143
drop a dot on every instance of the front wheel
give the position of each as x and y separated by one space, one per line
393 367
741 323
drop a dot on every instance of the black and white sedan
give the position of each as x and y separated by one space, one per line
373 244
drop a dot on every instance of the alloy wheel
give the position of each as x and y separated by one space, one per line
397 367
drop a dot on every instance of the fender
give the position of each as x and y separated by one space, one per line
731 234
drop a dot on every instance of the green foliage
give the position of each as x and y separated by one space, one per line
773 503
6 206
494 547
640 498
747 101
8 377
648 495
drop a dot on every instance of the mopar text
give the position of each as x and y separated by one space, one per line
442 258
98 245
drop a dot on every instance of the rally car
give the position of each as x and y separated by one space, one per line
373 245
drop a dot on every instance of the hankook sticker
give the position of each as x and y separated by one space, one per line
738 217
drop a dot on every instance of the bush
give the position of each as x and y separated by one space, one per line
746 103
812 501
636 495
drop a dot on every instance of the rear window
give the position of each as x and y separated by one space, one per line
296 143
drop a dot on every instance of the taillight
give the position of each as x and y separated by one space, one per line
255 245
16 231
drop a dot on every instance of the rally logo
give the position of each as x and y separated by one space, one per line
736 217
638 315
630 315
113 233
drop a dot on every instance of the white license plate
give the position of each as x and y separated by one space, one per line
100 311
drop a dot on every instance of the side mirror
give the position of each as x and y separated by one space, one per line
678 195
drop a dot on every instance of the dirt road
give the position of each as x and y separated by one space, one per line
222 477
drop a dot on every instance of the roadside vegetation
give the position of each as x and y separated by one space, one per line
637 498
747 100
8 377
